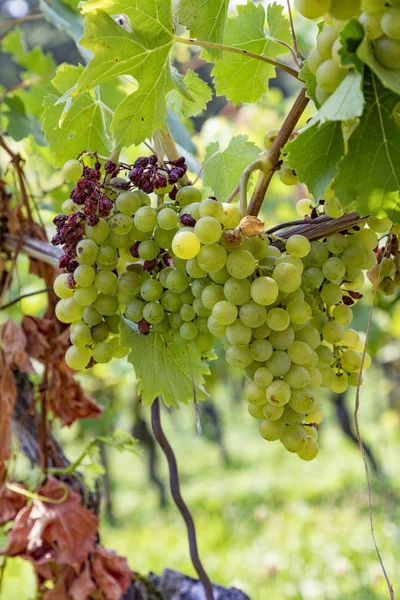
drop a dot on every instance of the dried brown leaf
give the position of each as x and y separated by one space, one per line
15 220
111 573
14 343
10 502
8 396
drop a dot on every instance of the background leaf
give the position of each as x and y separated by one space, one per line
369 174
245 79
223 170
199 91
205 20
164 367
346 102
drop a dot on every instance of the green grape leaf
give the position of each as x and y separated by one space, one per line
315 154
241 78
205 20
193 102
142 54
223 168
164 367
121 441
389 78
369 174
34 61
346 102
65 19
351 37
20 125
310 82
14 43
81 126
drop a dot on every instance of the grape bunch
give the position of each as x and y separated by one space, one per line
381 23
189 268
385 275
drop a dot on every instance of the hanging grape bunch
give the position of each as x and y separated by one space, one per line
381 23
186 269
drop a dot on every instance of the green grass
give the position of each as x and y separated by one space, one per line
270 524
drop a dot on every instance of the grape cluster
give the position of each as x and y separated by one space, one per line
385 275
185 268
381 23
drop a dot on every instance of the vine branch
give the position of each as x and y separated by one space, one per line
203 44
176 495
273 155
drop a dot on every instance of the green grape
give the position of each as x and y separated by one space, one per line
325 355
334 269
211 295
331 294
145 218
272 430
263 377
127 203
315 378
252 314
261 332
220 277
188 195
129 283
290 416
390 23
84 275
314 60
294 438
107 255
202 324
215 328
238 334
117 350
211 208
332 208
188 330
297 377
106 282
318 254
119 240
264 290
254 394
78 357
163 274
86 252
333 332
293 260
287 277
162 237
134 310
203 342
175 320
71 310
72 169
278 393
330 75
328 376
354 257
336 243
342 314
312 9
237 291
380 225
198 286
299 311
192 210
310 449
106 304
281 340
340 383
200 309
369 239
240 358
103 352
325 41
86 295
177 281
270 137
261 350
309 335
69 207
304 207
80 334
113 322
148 250
231 218
187 313
208 230
151 290
153 313
143 198
91 316
373 6
240 264
302 401
313 277
260 246
299 353
170 301
167 218
212 257
100 332
194 270
224 312
255 411
344 9
351 361
61 288
287 175
321 95
120 224
272 412
372 24
185 245
279 363
350 338
164 190
277 319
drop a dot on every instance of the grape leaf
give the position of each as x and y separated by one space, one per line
82 126
200 94
346 102
223 168
34 61
369 174
164 367
205 19
21 125
389 77
310 82
142 54
65 19
315 154
242 78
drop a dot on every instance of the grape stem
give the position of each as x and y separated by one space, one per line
272 156
170 148
299 57
203 44
257 165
